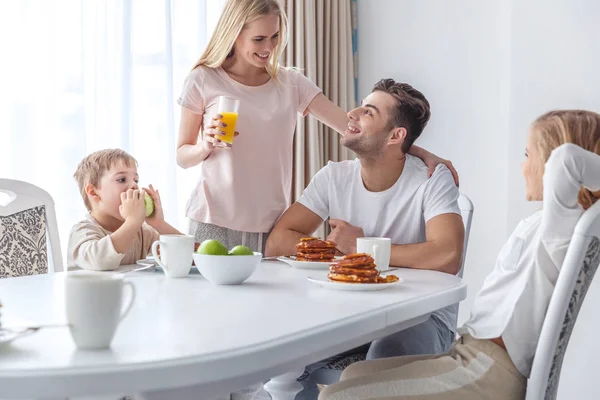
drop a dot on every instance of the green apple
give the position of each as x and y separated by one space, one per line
212 247
149 203
241 251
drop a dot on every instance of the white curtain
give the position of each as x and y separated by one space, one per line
78 76
321 46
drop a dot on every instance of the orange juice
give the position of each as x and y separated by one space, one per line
229 119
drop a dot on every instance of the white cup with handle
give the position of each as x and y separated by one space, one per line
377 247
175 254
95 306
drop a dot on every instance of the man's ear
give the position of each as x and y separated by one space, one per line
92 192
398 135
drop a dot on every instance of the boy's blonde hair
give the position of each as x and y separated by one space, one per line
91 169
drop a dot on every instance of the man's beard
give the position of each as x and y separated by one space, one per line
365 148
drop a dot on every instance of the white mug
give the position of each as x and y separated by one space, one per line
379 248
94 305
175 254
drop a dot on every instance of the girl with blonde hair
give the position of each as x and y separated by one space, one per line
244 188
493 357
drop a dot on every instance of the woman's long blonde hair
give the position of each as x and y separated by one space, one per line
236 14
579 127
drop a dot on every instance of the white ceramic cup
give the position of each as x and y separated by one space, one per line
94 306
175 254
379 248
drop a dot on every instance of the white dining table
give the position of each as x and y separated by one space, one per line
188 336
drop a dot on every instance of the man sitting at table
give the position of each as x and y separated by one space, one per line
386 192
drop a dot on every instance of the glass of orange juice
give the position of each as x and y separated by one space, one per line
228 108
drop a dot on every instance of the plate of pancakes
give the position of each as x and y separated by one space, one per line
355 272
312 253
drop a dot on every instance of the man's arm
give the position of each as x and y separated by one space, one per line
297 222
442 250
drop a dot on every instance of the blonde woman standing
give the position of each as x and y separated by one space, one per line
244 188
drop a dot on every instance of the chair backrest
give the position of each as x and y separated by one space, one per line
22 203
466 210
576 274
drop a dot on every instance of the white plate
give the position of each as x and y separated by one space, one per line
151 261
147 261
352 287
7 335
307 264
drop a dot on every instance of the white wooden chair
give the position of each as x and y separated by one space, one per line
466 211
28 230
576 274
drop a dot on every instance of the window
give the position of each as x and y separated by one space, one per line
79 76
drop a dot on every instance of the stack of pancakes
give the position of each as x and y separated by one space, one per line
357 268
354 268
312 249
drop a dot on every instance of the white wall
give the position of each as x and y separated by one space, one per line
459 59
490 68
555 63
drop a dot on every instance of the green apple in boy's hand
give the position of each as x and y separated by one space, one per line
149 203
212 247
241 251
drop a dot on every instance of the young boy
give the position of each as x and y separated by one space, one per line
116 230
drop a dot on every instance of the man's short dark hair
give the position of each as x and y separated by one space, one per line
411 111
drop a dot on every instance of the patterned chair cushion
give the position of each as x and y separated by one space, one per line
328 371
23 249
342 363
586 274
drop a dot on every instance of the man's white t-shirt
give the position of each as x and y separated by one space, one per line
400 212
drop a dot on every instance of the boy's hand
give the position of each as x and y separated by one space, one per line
157 220
158 215
132 206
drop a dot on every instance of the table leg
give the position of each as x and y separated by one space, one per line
286 386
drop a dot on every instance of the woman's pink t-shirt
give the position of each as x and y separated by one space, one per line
248 187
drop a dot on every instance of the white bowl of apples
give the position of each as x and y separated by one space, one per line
222 267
